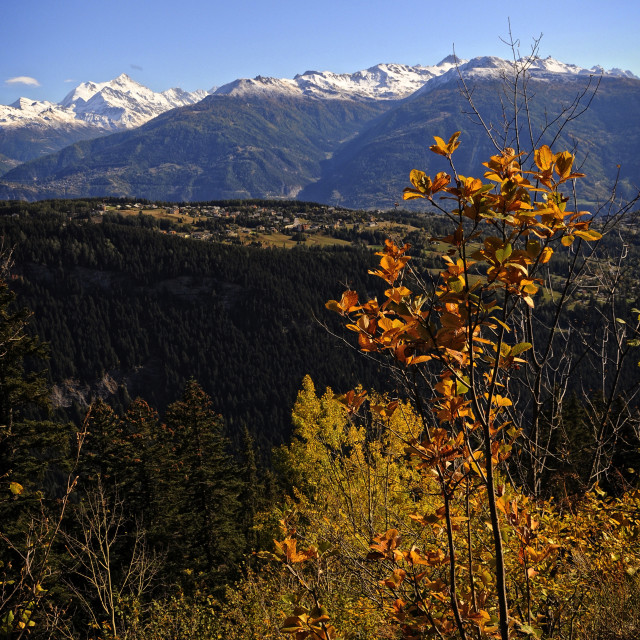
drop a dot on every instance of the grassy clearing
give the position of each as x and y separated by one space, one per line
284 241
158 214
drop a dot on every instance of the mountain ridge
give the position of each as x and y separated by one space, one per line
307 137
387 81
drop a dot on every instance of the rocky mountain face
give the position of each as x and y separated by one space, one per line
348 139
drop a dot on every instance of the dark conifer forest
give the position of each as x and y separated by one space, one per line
120 301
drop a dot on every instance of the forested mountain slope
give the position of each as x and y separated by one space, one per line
148 311
222 147
370 170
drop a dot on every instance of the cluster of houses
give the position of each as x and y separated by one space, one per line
244 221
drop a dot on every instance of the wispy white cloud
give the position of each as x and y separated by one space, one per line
69 80
32 82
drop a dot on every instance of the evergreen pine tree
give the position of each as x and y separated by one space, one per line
141 425
30 444
199 491
105 448
251 490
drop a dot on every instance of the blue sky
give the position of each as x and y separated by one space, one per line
47 48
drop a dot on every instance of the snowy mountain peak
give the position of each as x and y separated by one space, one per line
123 102
96 108
25 103
451 59
389 81
542 69
538 67
259 85
40 115
123 78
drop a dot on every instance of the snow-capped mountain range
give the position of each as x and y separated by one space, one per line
123 103
320 136
382 82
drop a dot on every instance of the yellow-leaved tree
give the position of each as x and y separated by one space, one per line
428 514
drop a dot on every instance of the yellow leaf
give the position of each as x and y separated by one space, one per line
16 488
564 162
419 359
517 349
439 147
501 401
588 235
421 181
543 157
411 194
546 254
453 143
502 324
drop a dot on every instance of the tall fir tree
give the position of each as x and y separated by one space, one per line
252 495
199 493
105 449
141 429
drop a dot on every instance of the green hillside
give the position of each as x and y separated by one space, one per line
223 147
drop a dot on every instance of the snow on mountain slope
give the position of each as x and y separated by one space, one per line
259 86
397 81
124 103
546 69
24 110
549 65
118 104
381 82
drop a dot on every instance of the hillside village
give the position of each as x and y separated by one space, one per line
262 223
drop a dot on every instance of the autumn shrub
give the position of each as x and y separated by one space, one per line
367 535
177 616
614 609
430 510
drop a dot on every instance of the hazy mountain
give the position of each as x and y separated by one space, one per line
30 129
33 129
339 138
